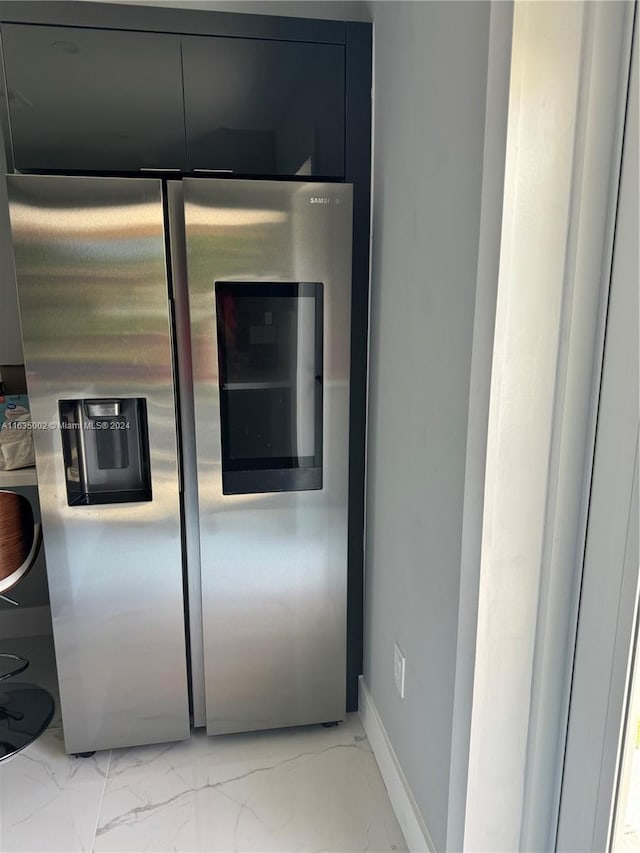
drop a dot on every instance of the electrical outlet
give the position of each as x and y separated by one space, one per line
398 669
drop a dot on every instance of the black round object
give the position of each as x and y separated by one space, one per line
25 712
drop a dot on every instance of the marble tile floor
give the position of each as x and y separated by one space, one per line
303 789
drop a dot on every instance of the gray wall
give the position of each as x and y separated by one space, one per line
430 87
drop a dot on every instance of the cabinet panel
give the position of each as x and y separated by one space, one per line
94 100
264 107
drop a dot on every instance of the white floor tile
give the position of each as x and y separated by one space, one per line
295 790
304 789
253 746
50 801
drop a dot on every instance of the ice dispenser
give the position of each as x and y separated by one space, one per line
106 450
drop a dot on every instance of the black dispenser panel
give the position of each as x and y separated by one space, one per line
106 450
270 374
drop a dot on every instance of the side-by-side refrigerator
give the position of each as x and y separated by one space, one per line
187 353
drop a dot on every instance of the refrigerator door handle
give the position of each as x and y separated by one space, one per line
172 330
188 465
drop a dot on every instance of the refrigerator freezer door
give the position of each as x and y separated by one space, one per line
269 270
92 286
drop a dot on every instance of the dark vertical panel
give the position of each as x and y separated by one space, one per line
358 172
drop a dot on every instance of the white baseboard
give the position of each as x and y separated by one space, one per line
24 622
404 805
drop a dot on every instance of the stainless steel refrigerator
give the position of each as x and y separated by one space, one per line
187 354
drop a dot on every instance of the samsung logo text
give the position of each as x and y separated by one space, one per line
321 199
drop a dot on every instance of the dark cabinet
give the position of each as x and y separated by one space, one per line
258 107
94 100
98 100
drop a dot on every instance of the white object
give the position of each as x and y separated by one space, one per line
403 802
16 443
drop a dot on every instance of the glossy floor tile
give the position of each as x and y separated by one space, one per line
304 789
49 801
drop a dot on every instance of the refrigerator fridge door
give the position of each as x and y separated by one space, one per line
92 286
269 277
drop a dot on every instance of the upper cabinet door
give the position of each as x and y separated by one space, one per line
94 100
268 108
